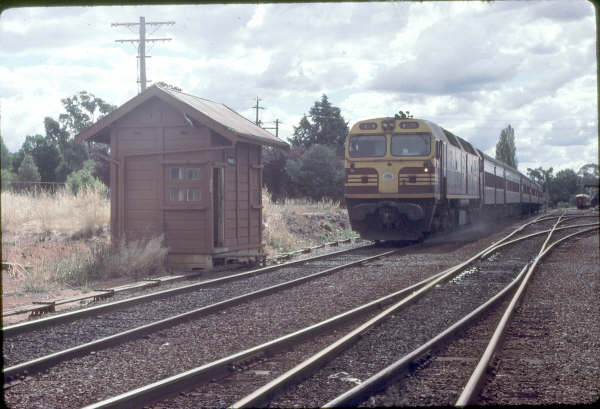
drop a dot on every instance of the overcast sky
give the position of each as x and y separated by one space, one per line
471 67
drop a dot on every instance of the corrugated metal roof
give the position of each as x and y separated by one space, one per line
208 112
225 116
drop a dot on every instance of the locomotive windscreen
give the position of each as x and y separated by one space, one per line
366 145
415 144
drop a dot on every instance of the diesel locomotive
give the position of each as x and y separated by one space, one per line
406 178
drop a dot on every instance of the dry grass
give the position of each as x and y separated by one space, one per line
81 215
77 265
63 238
297 223
136 258
55 234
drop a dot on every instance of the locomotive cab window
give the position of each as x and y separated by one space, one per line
414 144
366 146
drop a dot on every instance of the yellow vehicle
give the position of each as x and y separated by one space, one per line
406 178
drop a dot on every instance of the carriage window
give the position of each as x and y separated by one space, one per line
193 173
176 174
193 195
416 144
366 145
177 195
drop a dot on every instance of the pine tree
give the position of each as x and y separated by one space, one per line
325 127
28 171
505 148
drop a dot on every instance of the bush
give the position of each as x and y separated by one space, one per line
83 179
318 173
7 178
80 267
135 258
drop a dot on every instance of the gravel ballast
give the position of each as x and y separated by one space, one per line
83 381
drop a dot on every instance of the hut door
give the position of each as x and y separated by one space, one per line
218 207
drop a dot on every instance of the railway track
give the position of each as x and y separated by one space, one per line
250 357
237 360
67 335
363 351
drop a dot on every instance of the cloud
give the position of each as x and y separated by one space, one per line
562 11
471 67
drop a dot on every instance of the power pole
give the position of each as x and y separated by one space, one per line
276 127
257 107
142 44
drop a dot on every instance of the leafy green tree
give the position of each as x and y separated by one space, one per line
589 175
28 171
275 177
505 148
72 159
56 133
82 110
403 115
317 173
326 126
541 176
44 153
6 158
563 186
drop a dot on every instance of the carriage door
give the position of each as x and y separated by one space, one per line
218 207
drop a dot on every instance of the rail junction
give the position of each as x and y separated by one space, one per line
338 329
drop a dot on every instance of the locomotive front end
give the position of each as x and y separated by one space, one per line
391 174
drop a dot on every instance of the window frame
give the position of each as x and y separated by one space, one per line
427 134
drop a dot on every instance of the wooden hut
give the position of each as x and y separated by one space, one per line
186 168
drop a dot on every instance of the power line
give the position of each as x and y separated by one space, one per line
142 44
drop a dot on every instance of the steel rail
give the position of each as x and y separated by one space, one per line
473 386
72 315
539 233
259 395
351 396
41 363
379 380
207 372
354 395
319 358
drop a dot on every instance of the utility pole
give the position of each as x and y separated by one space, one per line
257 107
142 44
276 127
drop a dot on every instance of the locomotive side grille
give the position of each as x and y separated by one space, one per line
415 180
362 180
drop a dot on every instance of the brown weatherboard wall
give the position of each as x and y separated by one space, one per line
141 184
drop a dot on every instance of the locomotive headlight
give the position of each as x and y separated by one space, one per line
427 166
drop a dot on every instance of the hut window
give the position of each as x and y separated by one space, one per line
176 173
193 195
193 173
177 195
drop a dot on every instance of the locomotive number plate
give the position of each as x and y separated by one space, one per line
388 177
